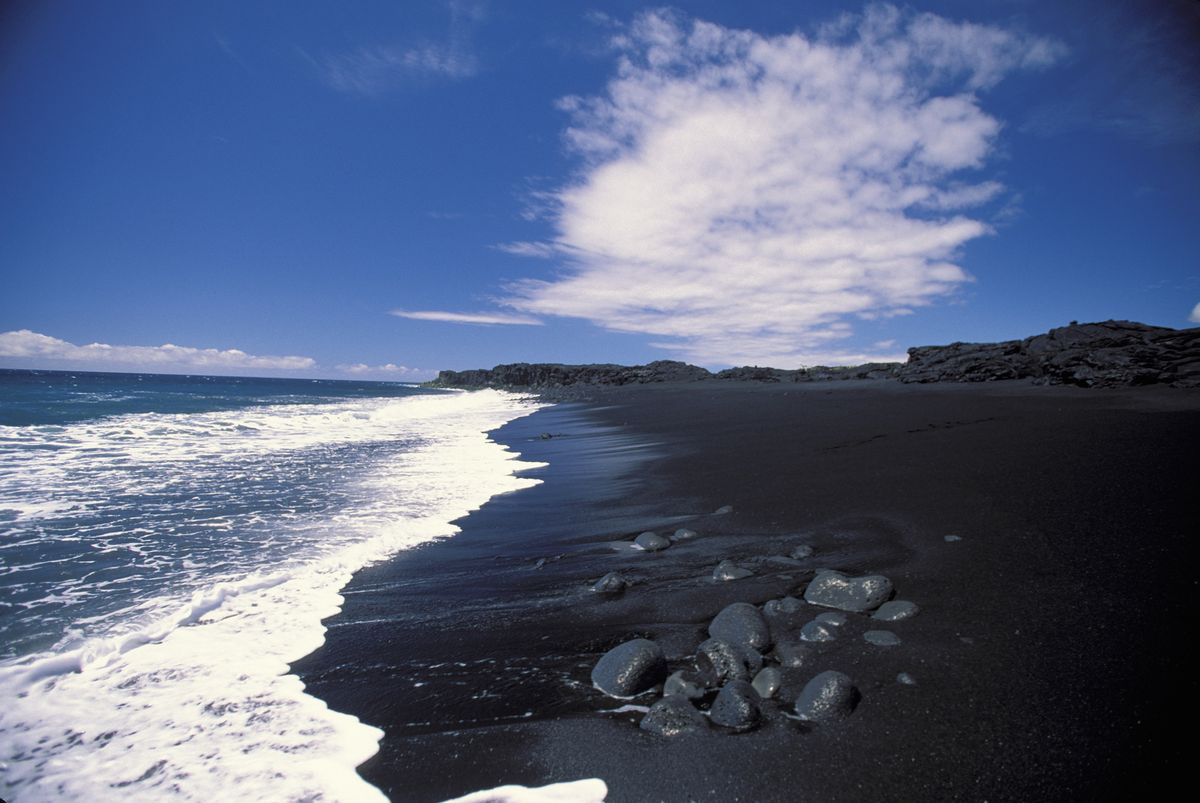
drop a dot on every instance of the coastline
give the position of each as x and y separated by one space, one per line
1047 654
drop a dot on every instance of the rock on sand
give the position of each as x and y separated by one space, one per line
741 623
736 707
651 542
829 696
728 570
610 583
630 668
684 684
673 716
895 610
836 590
719 661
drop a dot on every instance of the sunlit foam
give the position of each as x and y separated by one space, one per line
187 695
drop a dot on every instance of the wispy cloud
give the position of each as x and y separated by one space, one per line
479 318
24 344
529 249
745 197
389 369
373 69
1195 316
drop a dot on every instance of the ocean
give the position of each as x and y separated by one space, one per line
170 544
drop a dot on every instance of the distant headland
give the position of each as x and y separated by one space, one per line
1105 354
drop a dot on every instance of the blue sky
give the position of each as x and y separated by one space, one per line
381 190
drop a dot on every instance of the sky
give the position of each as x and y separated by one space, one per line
382 190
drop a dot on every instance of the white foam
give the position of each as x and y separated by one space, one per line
196 700
589 790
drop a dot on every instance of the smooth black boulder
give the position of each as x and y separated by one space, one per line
736 707
829 696
720 661
630 668
673 716
741 623
836 590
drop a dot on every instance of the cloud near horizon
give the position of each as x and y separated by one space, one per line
477 318
31 348
362 369
745 198
26 344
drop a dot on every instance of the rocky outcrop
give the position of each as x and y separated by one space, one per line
1106 354
553 375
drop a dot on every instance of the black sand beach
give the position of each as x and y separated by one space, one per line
1048 652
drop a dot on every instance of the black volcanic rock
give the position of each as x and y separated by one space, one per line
1106 354
553 375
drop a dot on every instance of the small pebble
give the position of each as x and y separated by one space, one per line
610 583
881 638
801 552
895 610
835 618
793 655
683 534
651 542
723 510
817 631
684 684
728 570
767 682
906 679
951 538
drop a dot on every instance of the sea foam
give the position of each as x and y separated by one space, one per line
184 692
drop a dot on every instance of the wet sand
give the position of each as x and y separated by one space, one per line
1047 654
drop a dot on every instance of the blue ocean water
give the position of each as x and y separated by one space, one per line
168 544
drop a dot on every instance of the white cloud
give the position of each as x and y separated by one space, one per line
389 369
745 197
1195 316
528 249
26 345
379 68
482 318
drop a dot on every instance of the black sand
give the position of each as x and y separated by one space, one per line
1048 653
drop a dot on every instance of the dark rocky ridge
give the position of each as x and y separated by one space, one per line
1105 354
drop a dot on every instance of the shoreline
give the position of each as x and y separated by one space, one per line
1047 652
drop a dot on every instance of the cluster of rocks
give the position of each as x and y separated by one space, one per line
1105 354
748 669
